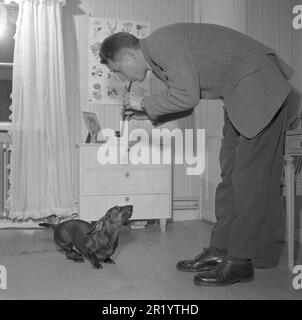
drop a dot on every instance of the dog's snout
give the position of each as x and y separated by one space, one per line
127 211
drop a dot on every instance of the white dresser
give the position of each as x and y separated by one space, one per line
147 187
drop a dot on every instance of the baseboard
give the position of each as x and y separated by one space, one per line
19 225
185 209
185 215
282 235
6 223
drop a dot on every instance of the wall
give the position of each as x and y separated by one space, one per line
270 21
75 31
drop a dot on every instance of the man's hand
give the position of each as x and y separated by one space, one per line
135 115
130 101
132 108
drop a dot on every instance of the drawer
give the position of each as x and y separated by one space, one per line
125 155
144 206
88 156
150 179
294 144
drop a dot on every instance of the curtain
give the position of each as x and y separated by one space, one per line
40 168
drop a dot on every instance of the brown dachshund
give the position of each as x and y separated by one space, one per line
97 242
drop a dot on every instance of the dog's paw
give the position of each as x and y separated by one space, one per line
76 257
97 266
79 259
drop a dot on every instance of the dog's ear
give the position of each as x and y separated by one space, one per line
97 226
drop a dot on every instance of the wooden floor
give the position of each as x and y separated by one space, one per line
145 268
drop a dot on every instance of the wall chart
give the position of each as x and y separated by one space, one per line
105 87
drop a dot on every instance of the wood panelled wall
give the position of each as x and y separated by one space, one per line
75 32
270 21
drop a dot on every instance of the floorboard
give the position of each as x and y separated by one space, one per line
145 268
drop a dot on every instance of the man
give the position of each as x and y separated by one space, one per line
198 61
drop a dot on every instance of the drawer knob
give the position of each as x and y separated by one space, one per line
127 199
127 174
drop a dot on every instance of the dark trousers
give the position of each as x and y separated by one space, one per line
248 199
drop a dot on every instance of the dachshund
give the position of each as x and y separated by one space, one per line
96 242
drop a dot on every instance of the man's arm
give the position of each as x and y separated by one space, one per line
170 117
172 55
142 115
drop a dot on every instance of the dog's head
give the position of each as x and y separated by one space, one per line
114 218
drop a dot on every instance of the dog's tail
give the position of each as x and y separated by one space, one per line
48 225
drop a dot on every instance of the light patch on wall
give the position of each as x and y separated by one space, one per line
3 20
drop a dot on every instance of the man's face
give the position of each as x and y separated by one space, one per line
128 67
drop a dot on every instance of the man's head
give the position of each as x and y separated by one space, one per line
122 54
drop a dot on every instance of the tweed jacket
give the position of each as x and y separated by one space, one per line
197 60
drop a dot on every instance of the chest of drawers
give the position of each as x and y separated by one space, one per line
145 186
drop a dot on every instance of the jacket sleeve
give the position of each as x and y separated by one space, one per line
183 92
171 116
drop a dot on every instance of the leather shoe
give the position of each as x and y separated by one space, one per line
227 272
207 259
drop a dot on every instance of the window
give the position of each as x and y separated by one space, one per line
8 18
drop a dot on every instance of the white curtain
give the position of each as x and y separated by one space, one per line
40 175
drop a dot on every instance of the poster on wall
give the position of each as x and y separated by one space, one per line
105 87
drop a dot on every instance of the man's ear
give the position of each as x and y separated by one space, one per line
97 226
128 53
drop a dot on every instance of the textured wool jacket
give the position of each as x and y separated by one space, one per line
197 60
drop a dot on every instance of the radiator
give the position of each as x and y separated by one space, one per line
4 172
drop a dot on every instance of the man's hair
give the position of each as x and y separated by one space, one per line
114 44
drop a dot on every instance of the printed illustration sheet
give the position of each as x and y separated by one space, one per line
105 87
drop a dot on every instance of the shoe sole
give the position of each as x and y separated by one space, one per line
206 284
195 270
